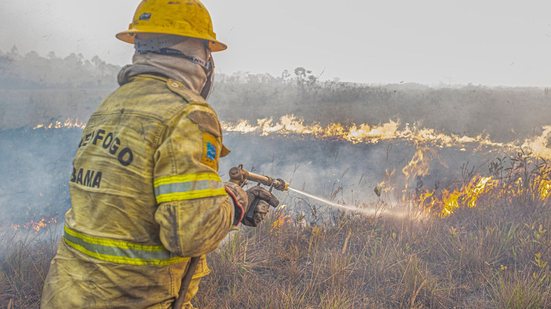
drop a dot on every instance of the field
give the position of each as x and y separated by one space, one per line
492 256
459 179
306 255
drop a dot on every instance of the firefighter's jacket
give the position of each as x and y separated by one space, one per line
145 197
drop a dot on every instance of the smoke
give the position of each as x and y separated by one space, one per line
35 166
360 161
359 175
37 89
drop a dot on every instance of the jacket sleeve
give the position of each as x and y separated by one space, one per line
194 211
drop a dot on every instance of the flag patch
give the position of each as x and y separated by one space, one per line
210 150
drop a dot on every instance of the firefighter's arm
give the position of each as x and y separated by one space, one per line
195 212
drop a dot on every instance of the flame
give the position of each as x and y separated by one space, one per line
386 185
34 226
365 133
418 165
467 195
389 131
479 187
539 145
280 222
544 189
427 200
68 123
37 226
450 202
445 201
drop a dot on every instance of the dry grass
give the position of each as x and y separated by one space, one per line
24 263
493 256
479 258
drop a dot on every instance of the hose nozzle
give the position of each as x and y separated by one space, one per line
239 175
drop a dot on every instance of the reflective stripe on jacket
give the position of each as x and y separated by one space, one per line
120 252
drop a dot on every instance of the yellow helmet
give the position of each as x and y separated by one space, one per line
188 18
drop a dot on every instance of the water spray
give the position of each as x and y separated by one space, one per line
365 211
240 176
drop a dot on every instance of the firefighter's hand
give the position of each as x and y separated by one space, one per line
240 201
263 200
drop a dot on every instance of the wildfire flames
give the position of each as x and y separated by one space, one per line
34 226
481 187
468 195
389 131
446 201
365 133
69 123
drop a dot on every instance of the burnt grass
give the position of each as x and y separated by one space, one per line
493 256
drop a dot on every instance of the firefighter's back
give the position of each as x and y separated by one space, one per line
111 249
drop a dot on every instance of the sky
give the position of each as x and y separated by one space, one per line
433 42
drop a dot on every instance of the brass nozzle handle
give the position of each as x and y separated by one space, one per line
239 175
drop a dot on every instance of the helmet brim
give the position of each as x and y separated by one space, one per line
129 36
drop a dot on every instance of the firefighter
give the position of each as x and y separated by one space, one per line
145 193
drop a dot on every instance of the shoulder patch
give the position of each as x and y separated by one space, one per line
188 95
211 151
206 121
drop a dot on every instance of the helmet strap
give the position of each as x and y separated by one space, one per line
205 92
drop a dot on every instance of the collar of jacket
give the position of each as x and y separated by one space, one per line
130 71
175 68
173 85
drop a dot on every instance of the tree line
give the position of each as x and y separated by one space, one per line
35 88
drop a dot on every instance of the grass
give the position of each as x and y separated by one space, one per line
498 262
24 263
493 256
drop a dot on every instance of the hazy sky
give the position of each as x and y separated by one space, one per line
491 42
